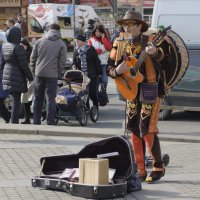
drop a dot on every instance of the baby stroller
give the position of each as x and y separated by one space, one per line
72 97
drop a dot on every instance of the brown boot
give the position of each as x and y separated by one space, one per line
138 150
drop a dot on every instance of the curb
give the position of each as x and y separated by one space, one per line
162 136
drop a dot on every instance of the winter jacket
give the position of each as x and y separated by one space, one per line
3 93
49 55
14 63
102 45
93 62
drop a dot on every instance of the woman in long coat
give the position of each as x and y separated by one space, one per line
5 114
15 70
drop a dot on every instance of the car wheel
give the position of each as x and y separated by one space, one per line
165 113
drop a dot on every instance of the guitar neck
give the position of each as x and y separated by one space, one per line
140 60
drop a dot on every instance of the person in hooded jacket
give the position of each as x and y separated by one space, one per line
47 60
15 70
5 114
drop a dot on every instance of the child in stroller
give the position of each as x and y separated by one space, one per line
72 97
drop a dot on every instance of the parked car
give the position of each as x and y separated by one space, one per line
186 94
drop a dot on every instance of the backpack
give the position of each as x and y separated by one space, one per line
133 181
102 95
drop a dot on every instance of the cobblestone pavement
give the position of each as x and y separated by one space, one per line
19 161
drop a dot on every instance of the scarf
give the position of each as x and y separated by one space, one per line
82 54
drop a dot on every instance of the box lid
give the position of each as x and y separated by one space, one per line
117 149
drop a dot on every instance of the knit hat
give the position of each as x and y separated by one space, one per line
80 37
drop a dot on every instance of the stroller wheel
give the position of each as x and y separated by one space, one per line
56 121
94 114
66 120
82 117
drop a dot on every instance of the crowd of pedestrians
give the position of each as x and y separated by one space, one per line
30 72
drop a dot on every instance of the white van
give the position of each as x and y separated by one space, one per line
184 17
42 15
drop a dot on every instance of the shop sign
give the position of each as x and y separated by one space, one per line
64 1
133 3
148 3
103 3
25 3
10 3
88 2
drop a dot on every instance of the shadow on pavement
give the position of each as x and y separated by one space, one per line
185 116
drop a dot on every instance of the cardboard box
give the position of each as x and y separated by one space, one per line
93 171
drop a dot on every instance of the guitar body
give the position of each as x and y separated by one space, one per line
128 84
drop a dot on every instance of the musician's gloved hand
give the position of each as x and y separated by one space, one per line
151 50
121 68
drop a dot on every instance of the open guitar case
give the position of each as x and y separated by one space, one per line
116 149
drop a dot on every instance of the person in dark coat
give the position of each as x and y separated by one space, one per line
27 97
22 25
15 70
88 31
5 114
86 59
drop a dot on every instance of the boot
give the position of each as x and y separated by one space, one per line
153 145
26 121
139 151
27 113
44 115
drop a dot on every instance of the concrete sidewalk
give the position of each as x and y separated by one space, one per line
20 155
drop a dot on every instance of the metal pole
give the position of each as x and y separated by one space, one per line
115 9
74 13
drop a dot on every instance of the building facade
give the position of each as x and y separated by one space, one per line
104 9
10 9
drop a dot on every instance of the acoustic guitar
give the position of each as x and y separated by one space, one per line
128 82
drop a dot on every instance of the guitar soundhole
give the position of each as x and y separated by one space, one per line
132 72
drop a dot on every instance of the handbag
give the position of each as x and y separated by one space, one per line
148 92
102 95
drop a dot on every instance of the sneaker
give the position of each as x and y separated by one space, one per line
155 176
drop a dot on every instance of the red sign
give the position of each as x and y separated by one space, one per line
40 11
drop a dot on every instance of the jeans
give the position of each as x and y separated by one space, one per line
44 86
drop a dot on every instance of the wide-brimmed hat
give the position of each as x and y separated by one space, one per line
135 17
